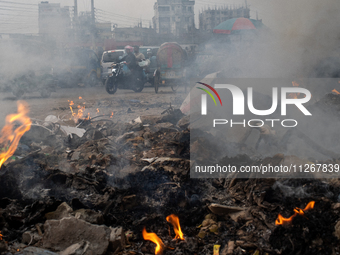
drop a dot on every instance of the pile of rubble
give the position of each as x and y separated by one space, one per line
91 189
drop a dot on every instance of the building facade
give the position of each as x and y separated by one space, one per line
53 19
210 18
174 17
134 36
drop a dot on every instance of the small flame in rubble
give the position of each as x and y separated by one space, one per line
283 221
294 95
297 211
295 84
155 239
335 92
111 115
1 236
9 138
309 206
80 112
97 110
174 220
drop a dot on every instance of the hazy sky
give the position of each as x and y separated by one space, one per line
22 18
295 17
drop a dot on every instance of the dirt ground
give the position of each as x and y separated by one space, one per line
97 102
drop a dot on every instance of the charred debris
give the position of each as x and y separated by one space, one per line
105 187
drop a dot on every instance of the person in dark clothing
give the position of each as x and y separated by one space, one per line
130 58
132 64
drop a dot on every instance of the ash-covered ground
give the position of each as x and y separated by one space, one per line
93 193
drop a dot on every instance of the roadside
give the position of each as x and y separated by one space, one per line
145 102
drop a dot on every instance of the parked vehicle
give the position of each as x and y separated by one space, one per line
33 82
78 66
121 77
108 58
170 70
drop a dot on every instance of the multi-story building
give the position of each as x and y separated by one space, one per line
134 36
210 18
174 17
53 19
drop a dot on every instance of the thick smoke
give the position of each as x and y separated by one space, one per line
301 41
309 31
301 38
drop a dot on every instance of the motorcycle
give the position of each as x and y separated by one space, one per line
121 77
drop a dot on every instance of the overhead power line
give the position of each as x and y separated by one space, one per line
119 15
8 2
16 10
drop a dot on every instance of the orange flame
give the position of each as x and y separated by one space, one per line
10 138
283 221
295 95
297 211
335 91
1 236
111 115
309 206
155 239
174 220
80 112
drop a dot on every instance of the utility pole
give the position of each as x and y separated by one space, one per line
92 12
75 19
75 10
248 15
93 25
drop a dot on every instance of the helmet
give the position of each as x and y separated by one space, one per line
128 48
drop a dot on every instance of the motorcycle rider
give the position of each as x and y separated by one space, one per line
139 56
153 59
130 58
132 63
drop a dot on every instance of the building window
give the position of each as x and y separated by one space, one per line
187 19
163 8
172 8
184 8
164 19
190 9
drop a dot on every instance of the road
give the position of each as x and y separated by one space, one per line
96 102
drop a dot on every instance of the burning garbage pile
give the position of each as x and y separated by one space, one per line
10 138
106 187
